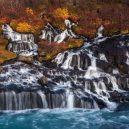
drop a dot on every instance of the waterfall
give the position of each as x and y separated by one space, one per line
70 99
53 35
93 76
8 100
127 61
115 71
15 99
66 64
59 59
114 83
92 71
20 43
43 97
102 57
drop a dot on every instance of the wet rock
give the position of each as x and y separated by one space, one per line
123 68
41 56
50 64
43 81
123 107
26 59
105 66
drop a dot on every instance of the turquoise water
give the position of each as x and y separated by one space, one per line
64 119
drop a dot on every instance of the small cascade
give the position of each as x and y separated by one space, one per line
95 105
127 61
20 43
70 60
100 31
67 62
70 99
43 97
114 83
59 58
115 71
92 71
102 57
49 33
54 35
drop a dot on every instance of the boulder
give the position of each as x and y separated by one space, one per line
41 56
26 59
43 81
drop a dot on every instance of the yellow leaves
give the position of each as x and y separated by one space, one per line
49 56
13 23
61 13
4 54
24 27
125 31
64 13
29 11
74 43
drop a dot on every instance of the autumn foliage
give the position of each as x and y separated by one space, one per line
4 54
24 27
51 50
61 13
32 15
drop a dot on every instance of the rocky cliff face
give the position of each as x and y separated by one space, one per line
93 76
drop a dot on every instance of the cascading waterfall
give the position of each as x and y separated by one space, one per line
100 83
21 44
53 35
103 57
70 99
93 76
127 54
43 98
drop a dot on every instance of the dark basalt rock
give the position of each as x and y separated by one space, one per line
43 81
28 59
123 107
49 64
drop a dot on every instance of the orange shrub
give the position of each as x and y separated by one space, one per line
62 13
25 27
65 13
13 23
4 20
4 54
125 31
29 11
74 43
